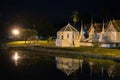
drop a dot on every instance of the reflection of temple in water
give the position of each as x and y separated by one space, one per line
67 65
104 69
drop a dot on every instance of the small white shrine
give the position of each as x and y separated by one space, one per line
68 36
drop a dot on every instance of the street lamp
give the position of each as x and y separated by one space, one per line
15 32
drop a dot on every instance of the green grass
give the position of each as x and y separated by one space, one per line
40 42
87 50
101 51
17 43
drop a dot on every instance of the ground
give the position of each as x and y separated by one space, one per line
84 51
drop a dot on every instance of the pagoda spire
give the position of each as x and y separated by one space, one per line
92 30
102 35
81 27
103 28
82 37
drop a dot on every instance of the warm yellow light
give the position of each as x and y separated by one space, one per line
16 56
15 31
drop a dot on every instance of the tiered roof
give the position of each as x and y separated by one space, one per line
97 27
116 24
68 27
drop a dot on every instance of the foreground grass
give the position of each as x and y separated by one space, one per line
80 50
102 51
40 42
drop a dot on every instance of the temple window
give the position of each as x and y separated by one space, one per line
61 36
67 35
73 36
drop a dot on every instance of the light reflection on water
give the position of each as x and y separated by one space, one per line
67 65
79 67
16 57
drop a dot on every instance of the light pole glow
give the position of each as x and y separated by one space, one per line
15 31
16 57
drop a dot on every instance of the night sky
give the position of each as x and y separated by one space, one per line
55 12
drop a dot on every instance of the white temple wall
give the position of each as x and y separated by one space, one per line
76 43
58 42
105 45
64 43
67 39
113 36
118 36
85 44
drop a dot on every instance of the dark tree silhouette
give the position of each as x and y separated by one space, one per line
75 17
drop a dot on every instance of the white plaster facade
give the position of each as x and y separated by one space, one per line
113 31
68 36
107 36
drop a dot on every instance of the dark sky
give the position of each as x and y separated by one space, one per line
59 9
56 11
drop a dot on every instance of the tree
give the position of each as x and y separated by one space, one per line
75 17
28 34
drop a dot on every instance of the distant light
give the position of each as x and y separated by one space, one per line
15 31
16 56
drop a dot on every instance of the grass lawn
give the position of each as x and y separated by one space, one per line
40 42
101 51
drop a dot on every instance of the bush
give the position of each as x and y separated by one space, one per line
96 44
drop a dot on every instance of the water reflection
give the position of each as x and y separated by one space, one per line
97 68
110 71
16 57
91 67
67 65
79 68
81 64
102 71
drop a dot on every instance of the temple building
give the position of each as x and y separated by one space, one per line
107 34
68 36
113 31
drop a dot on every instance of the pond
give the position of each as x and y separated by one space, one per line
23 65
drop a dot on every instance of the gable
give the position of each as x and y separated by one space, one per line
116 24
68 27
97 27
111 27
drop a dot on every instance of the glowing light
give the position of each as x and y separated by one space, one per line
16 56
15 31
